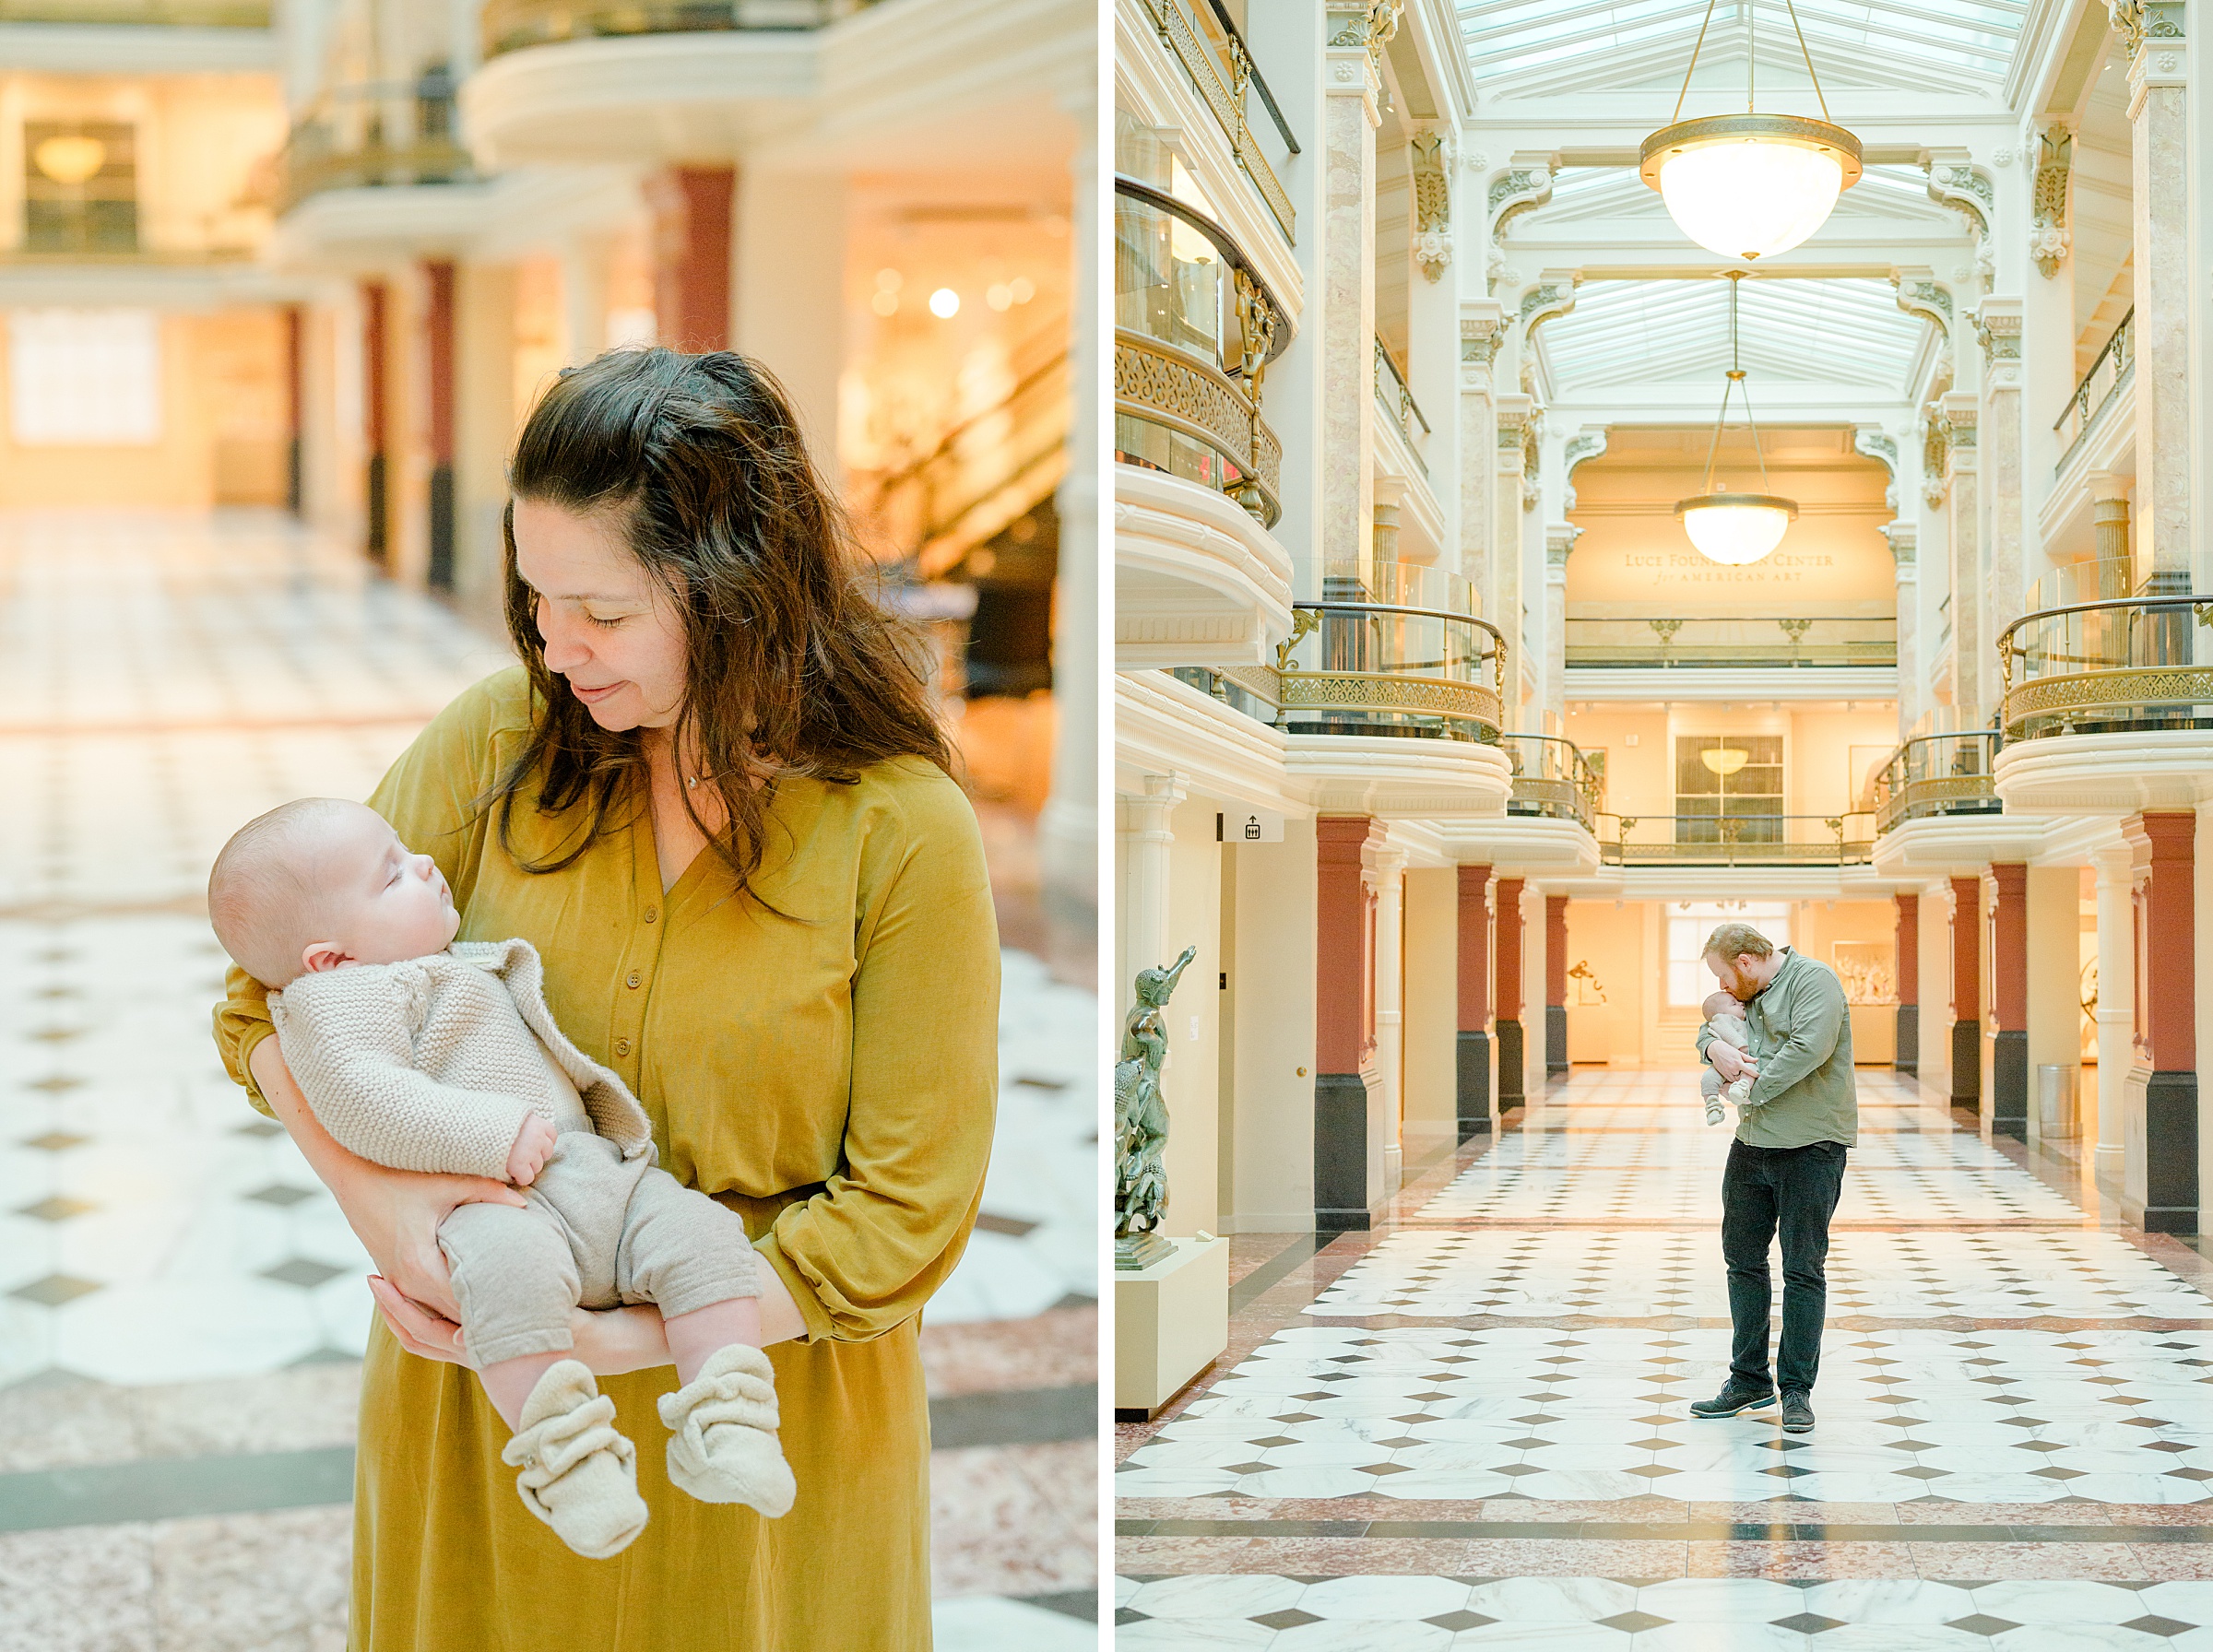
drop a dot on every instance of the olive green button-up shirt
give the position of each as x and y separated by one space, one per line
1801 1032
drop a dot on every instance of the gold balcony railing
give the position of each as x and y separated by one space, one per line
141 14
372 137
1195 328
1553 779
1200 35
1742 840
2127 664
1938 774
511 25
1399 402
2113 372
1689 642
1355 666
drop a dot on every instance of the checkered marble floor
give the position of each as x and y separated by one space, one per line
1504 1378
167 679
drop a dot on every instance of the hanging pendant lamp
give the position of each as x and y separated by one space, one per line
1736 528
1750 185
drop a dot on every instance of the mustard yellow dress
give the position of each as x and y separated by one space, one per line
831 1075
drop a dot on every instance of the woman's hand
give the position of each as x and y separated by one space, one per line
609 1343
394 1213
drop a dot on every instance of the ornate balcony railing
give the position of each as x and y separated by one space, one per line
141 14
1200 35
1843 840
1397 401
2108 667
1195 328
1687 643
1552 779
371 136
510 25
2114 371
1938 774
1385 666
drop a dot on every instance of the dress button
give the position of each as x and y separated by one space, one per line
653 913
632 978
621 1047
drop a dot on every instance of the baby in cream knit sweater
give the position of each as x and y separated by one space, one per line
422 1053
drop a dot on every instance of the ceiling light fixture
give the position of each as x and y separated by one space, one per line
1724 759
69 158
1750 185
1736 528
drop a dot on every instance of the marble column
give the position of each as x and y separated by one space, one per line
1967 993
2159 1184
1912 676
1353 89
1971 641
1507 970
1998 468
438 357
1559 545
1505 600
1387 877
1555 986
2008 1102
587 263
1473 1044
692 208
2109 529
376 405
1482 322
2153 33
1147 836
1068 828
1906 951
2116 1015
1348 1159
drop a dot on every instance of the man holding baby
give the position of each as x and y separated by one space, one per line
1786 1165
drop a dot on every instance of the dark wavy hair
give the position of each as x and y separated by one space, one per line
791 666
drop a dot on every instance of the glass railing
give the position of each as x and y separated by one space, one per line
1195 328
2115 369
2107 667
1719 642
1399 404
141 14
1552 779
1736 840
1200 35
1379 669
1938 774
373 136
510 25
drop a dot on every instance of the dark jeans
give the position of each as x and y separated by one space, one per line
1789 1190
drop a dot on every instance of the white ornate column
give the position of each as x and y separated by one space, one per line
1481 320
1387 877
586 262
2153 33
1970 642
2116 1004
1998 469
1147 836
1503 601
1559 544
1358 31
1912 676
1068 829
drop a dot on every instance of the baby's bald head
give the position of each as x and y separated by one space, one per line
1721 1003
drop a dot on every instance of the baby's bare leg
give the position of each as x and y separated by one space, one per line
508 1384
693 1335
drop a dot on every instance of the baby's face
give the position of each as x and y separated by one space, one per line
380 903
1721 1003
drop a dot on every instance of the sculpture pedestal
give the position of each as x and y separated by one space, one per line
1171 1321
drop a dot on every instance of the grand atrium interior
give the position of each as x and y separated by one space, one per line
281 283
1537 544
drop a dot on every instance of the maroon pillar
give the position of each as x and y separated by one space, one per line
376 403
438 325
1347 1175
1508 971
1555 986
692 208
1473 1048
1908 950
1966 992
2009 999
295 368
2159 1177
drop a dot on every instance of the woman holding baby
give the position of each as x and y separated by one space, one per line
714 798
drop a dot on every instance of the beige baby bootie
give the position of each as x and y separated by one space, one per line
723 1448
578 1475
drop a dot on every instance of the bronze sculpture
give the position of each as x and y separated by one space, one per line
1141 1122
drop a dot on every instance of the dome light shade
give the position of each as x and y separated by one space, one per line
1736 528
1750 185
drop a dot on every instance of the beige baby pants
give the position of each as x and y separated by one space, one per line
599 1232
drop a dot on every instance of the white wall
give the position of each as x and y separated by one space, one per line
1431 1029
1271 1174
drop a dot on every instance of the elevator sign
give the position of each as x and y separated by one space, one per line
1249 826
